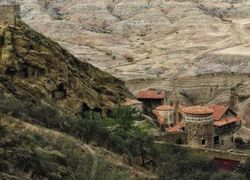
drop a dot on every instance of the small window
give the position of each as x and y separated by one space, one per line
232 139
203 141
222 142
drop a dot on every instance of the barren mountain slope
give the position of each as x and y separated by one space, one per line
139 39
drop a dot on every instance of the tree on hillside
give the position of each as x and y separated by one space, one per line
141 145
177 163
87 127
128 139
123 117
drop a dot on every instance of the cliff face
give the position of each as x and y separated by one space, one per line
34 68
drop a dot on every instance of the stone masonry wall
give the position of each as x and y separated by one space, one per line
198 131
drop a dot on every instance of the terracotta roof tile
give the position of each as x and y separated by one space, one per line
160 119
177 128
151 94
164 108
219 111
199 110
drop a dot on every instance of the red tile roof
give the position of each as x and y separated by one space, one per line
164 108
151 94
199 110
219 111
160 119
177 128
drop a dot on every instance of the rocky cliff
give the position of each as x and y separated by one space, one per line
34 69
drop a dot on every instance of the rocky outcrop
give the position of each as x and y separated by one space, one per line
34 69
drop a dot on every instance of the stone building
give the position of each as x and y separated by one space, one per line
226 123
151 98
166 114
206 126
199 126
9 13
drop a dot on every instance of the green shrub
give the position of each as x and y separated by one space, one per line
87 127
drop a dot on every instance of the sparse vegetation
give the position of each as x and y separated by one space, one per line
129 58
180 164
87 127
36 153
108 53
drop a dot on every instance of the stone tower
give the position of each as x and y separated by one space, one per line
9 13
199 126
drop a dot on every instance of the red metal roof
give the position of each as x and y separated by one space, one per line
151 94
199 110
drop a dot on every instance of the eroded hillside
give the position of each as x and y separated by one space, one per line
148 39
35 69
